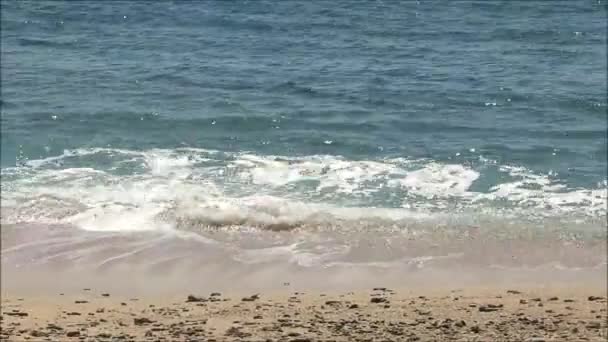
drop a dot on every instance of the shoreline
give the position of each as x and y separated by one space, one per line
523 313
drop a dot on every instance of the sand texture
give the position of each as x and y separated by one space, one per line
376 315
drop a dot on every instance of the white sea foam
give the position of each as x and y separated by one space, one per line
437 180
195 188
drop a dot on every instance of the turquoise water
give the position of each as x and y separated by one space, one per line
144 115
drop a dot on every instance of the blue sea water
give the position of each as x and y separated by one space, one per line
118 115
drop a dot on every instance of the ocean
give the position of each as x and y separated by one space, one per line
312 133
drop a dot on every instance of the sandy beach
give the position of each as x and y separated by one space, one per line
379 314
62 287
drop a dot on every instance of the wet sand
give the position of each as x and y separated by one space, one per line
66 284
380 314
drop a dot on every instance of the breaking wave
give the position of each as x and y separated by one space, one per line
193 189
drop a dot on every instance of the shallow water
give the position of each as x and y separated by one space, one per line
304 134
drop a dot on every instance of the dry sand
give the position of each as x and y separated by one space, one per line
488 314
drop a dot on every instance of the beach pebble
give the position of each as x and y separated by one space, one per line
251 298
490 307
192 298
52 326
142 321
36 333
377 300
17 313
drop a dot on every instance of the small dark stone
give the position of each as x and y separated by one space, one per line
568 300
52 326
523 301
377 300
353 306
475 329
74 333
81 302
87 289
396 332
460 324
215 294
192 298
486 309
105 295
104 335
236 332
36 333
18 314
490 307
513 292
257 317
142 321
553 299
594 298
251 298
